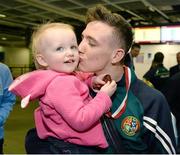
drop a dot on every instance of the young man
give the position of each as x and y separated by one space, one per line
7 100
140 119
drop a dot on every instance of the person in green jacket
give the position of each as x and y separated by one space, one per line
140 119
158 74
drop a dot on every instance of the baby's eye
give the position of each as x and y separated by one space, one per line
61 49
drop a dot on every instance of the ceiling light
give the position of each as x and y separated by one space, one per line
4 38
2 16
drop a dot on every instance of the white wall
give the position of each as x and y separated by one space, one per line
18 59
16 56
143 62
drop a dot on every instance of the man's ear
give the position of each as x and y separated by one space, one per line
40 60
118 55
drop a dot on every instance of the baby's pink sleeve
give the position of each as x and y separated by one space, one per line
32 85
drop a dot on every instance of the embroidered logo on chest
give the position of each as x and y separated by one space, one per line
130 125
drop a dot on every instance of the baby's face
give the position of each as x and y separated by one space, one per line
59 49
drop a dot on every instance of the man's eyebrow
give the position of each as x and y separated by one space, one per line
89 38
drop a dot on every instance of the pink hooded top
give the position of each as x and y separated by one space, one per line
66 109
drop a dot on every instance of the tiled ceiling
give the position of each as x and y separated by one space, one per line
18 17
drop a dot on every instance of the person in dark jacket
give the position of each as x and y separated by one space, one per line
134 52
135 123
173 97
175 69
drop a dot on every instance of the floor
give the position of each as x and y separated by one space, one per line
18 123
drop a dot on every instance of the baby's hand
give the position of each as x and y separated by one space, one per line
100 80
109 88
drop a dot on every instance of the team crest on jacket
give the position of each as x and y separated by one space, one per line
130 125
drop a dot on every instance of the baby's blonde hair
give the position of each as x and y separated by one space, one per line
36 37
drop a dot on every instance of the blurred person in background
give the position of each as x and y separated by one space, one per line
157 75
173 97
134 52
7 99
175 69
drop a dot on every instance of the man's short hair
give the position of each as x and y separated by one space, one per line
122 29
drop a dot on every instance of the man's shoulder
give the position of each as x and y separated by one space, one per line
153 101
175 78
173 67
146 94
141 86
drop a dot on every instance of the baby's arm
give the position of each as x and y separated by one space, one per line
75 105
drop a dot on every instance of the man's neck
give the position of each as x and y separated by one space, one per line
116 72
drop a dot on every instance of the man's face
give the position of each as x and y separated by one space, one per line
135 51
96 48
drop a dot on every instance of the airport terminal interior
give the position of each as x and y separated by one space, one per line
156 27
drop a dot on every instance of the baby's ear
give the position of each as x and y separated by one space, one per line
40 60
